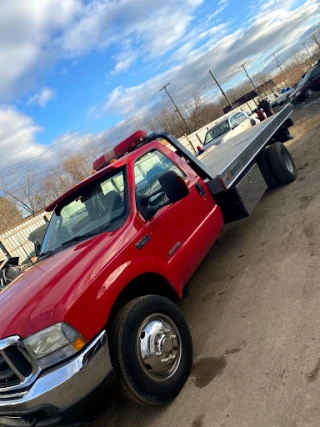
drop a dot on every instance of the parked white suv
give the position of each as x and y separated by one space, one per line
227 128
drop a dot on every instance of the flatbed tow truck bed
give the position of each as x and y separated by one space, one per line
233 157
232 171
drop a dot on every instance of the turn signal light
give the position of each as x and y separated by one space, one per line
78 344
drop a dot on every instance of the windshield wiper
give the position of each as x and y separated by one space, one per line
84 236
45 254
78 238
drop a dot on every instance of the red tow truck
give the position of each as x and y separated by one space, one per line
117 255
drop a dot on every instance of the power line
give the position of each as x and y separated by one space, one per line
18 187
54 151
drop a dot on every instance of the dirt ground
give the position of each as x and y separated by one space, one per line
254 312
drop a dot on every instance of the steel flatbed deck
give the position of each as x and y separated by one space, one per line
225 164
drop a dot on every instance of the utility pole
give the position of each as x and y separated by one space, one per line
316 40
293 53
177 109
244 69
222 91
305 45
278 62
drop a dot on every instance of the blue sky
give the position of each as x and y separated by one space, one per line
78 67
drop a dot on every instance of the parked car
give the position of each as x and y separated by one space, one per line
284 95
307 85
231 126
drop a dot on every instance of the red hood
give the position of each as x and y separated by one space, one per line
43 294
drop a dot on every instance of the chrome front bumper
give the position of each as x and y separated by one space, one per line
62 387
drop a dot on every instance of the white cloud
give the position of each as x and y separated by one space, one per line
17 138
21 150
36 34
223 54
43 97
152 28
27 29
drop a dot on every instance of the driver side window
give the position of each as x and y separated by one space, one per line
147 170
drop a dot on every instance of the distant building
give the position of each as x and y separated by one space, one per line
262 90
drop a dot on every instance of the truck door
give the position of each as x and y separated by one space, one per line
179 233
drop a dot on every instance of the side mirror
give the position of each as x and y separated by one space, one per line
37 248
174 186
234 126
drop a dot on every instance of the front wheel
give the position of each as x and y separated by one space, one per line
308 93
151 348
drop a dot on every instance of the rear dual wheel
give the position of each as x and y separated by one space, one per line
151 349
277 165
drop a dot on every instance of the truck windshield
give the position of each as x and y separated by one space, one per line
217 131
99 207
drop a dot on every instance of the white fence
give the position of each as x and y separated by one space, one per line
15 242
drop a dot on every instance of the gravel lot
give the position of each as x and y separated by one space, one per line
254 312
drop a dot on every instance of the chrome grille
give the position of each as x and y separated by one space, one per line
17 370
7 376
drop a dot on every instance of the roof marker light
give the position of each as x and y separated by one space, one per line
119 150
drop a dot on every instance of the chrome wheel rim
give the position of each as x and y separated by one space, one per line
287 161
159 347
309 93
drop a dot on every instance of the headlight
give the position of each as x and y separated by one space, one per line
54 344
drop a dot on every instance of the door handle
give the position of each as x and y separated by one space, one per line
200 189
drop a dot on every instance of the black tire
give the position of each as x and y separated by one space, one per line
281 163
266 171
308 93
126 339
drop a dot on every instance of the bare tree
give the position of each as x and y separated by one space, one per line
198 113
9 214
23 190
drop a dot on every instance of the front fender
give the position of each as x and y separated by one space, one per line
90 312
